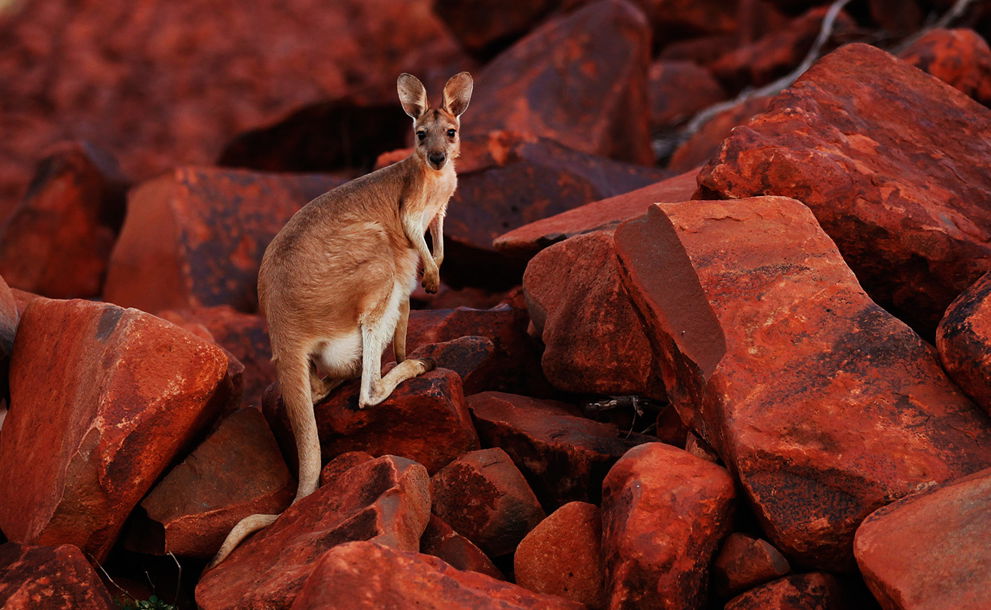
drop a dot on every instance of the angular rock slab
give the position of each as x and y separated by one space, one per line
49 577
563 455
823 405
441 541
931 550
237 471
538 87
704 144
963 340
484 497
562 556
195 236
80 448
960 58
370 576
814 591
891 161
593 340
743 563
386 500
472 357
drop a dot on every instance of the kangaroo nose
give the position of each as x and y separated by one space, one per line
437 158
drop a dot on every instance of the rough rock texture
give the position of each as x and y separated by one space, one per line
79 449
593 340
483 27
424 419
563 455
9 318
903 198
931 550
58 239
743 563
664 512
963 340
483 496
195 236
677 90
563 555
539 88
371 576
856 414
705 143
341 464
815 591
440 540
386 500
49 577
526 241
958 57
473 358
237 471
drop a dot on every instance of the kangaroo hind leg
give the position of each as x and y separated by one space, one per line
374 387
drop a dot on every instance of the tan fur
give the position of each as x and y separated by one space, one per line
334 284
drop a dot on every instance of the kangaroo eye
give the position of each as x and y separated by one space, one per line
420 135
450 133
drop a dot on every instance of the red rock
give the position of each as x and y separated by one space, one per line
671 430
562 556
81 448
702 50
846 141
341 464
679 19
484 497
958 57
22 298
218 70
472 358
930 550
544 85
563 455
705 143
700 449
815 591
9 317
593 340
58 240
678 90
963 340
484 27
526 241
743 563
729 291
49 577
441 541
195 237
369 575
386 500
237 471
664 512
898 17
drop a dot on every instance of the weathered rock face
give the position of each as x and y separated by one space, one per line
370 575
473 358
341 464
931 549
237 471
484 27
483 496
677 90
563 455
538 88
814 591
908 204
958 57
856 414
526 241
386 500
49 577
79 449
441 541
424 419
593 341
743 563
653 557
705 143
71 213
9 318
562 556
963 340
195 237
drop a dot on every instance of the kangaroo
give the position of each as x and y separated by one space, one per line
335 282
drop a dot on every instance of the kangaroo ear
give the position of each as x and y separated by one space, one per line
457 93
412 95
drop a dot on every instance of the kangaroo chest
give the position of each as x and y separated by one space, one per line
431 198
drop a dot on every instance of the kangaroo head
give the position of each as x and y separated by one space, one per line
437 130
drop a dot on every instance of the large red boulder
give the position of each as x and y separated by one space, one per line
195 236
563 455
472 357
813 591
664 512
906 200
744 562
963 340
932 549
807 420
58 239
49 577
366 575
958 57
677 90
537 87
237 471
440 540
80 448
484 27
386 500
